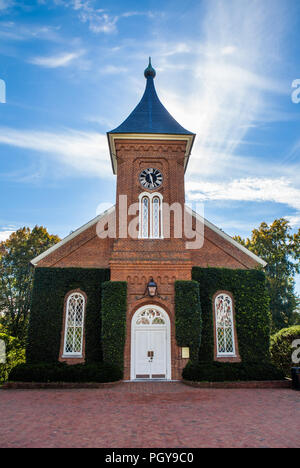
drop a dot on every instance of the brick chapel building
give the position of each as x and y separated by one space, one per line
149 152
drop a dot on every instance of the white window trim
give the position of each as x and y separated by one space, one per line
150 196
225 354
65 353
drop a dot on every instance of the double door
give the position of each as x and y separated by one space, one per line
150 353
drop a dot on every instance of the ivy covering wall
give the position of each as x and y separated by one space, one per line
252 313
114 305
47 307
188 316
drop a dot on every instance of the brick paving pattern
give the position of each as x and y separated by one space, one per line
136 415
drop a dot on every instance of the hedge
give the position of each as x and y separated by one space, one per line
252 314
188 316
230 372
61 372
281 348
114 305
14 355
46 315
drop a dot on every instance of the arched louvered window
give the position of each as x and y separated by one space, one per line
74 325
150 216
224 325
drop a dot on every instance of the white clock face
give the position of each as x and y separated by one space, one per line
151 178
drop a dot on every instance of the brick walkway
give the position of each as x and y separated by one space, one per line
150 415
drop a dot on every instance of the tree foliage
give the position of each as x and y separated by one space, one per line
16 275
280 248
281 348
13 356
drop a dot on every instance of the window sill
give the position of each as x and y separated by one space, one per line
72 356
232 358
226 356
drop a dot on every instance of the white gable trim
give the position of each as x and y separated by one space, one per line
228 238
71 236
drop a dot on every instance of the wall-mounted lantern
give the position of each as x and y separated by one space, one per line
151 290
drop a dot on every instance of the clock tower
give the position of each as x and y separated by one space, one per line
149 153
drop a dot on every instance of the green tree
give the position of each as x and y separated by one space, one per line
13 356
280 248
16 276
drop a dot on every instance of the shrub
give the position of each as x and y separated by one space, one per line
61 372
188 316
252 314
227 372
281 348
46 317
114 305
15 355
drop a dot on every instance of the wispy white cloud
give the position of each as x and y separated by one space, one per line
4 235
250 189
99 20
229 74
80 152
55 61
294 221
113 70
12 31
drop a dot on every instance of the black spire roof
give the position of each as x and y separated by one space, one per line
150 116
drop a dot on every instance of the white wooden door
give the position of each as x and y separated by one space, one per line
150 344
150 354
158 347
142 346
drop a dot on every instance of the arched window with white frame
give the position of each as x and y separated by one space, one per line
74 325
225 336
145 217
150 209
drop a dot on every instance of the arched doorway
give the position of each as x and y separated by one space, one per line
150 344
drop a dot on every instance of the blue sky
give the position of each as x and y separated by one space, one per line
74 69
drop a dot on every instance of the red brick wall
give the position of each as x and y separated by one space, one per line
85 250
